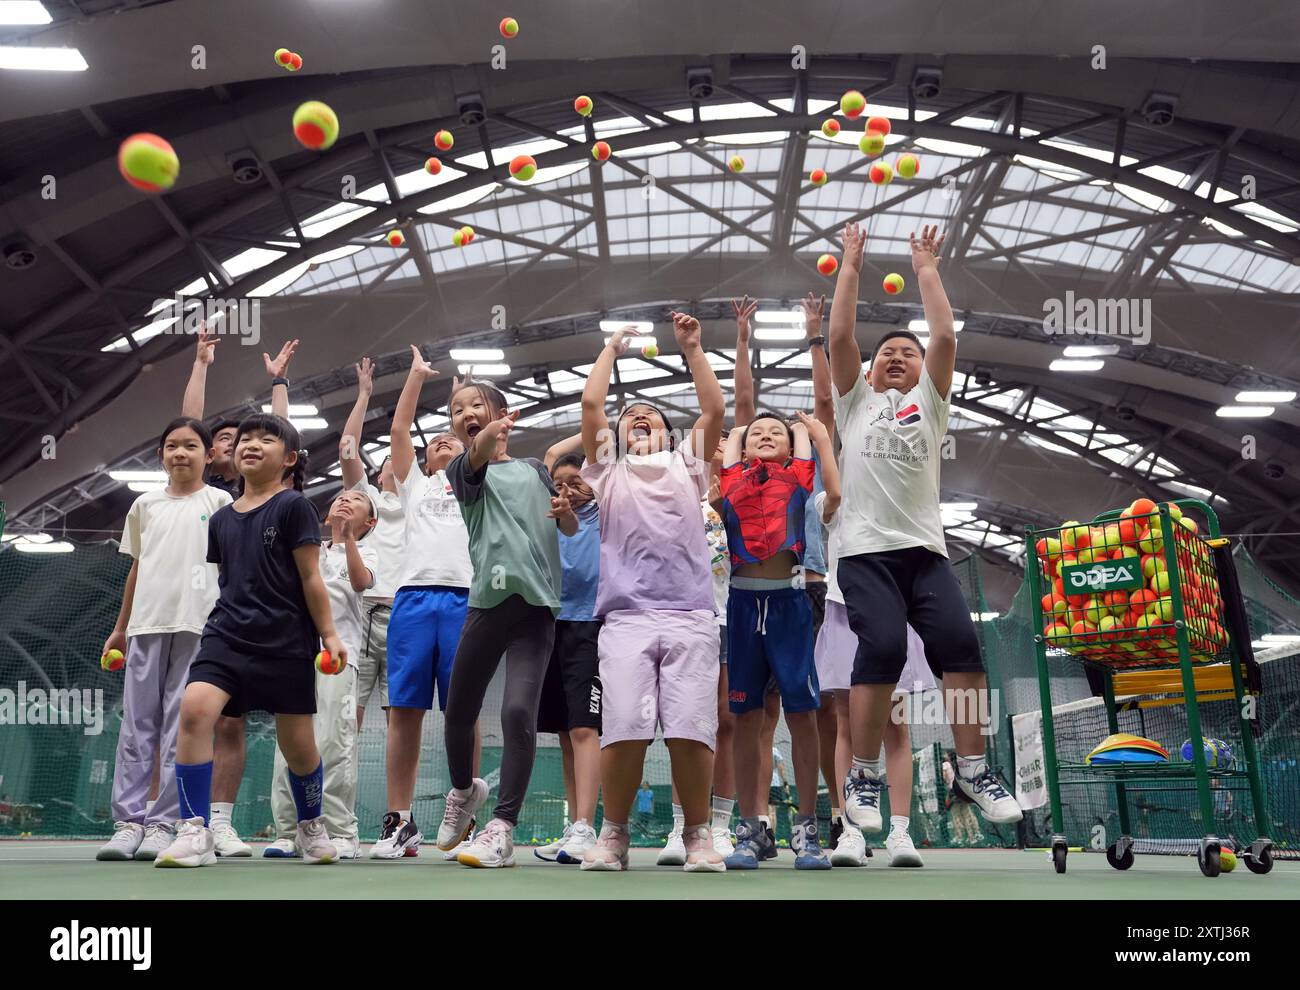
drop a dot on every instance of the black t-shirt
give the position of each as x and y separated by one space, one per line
261 608
231 488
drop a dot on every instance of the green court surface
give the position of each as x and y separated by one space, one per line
36 870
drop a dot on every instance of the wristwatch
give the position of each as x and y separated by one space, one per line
818 341
279 381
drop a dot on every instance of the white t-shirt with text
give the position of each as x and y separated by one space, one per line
387 539
437 542
345 603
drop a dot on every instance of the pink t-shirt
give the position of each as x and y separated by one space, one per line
653 551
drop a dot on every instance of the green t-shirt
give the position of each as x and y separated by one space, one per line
513 543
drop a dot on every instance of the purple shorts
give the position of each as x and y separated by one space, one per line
659 668
837 646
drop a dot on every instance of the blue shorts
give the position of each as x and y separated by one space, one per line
769 634
423 632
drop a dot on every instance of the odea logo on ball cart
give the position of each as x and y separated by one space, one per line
1116 575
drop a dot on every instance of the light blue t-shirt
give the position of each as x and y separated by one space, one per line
814 532
580 566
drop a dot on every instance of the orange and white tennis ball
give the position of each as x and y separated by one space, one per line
907 166
295 62
523 167
443 140
818 177
327 664
396 238
852 104
650 350
736 163
882 173
112 660
893 283
509 27
283 56
601 151
315 126
872 143
879 124
584 105
827 264
433 165
830 127
148 162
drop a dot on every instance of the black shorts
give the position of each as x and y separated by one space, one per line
884 592
817 599
571 692
255 683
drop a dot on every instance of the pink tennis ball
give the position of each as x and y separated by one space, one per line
893 283
148 163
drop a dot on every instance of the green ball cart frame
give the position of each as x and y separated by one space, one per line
1191 635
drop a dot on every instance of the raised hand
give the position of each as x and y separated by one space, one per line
813 308
925 252
207 345
560 507
280 365
815 427
686 329
744 309
498 428
365 376
715 489
421 367
853 238
618 343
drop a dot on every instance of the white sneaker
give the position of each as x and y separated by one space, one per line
313 841
722 842
452 855
157 837
281 849
900 849
582 837
674 851
458 818
862 801
986 791
227 841
494 846
347 848
194 845
551 850
851 849
397 838
127 837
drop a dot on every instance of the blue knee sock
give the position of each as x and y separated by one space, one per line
194 782
308 791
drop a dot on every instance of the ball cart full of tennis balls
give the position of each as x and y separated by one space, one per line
1152 604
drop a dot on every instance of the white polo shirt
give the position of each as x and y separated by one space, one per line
437 542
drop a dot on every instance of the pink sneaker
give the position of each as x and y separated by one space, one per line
701 856
610 851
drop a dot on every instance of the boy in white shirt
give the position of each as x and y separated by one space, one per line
893 567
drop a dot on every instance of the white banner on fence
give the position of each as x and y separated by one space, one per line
926 781
1031 781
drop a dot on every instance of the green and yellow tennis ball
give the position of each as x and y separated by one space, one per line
433 165
283 57
818 177
893 283
827 264
584 105
650 350
878 124
523 167
443 140
328 664
830 127
112 660
1227 860
872 143
907 166
295 62
509 27
148 162
396 238
315 126
601 151
882 173
736 163
852 104
463 236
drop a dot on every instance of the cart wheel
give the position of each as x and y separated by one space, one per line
1059 852
1119 860
1207 857
1259 863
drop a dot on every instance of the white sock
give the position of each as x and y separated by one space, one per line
899 823
221 812
679 819
404 814
722 812
872 767
970 766
767 822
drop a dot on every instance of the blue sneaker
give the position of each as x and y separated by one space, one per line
281 849
808 853
768 847
750 843
862 801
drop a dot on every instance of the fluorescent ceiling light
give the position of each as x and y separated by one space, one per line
637 342
1065 364
1092 351
780 333
24 12
307 410
147 486
59 547
42 59
610 326
477 354
920 326
779 316
308 423
138 476
1244 412
485 370
1280 638
1264 397
959 506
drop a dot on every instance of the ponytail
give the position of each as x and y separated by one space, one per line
300 471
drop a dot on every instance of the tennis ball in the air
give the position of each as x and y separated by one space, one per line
315 126
907 166
584 105
882 173
509 27
893 283
112 660
650 351
523 167
827 264
601 151
396 238
295 62
818 177
327 664
736 163
830 127
443 140
433 166
463 236
872 143
852 104
148 162
283 56
880 124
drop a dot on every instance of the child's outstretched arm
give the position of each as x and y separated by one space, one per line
731 453
813 309
350 441
941 355
195 388
569 445
562 512
307 559
403 451
803 447
117 638
594 422
276 369
744 381
846 359
821 439
713 407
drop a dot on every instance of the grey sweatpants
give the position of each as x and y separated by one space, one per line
525 634
157 667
